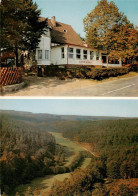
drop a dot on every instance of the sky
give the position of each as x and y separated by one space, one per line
73 12
83 107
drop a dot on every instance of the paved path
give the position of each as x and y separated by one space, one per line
124 86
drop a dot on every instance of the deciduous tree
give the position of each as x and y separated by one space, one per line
109 30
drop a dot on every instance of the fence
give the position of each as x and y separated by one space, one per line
10 75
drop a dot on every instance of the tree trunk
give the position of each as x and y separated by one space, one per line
17 57
22 60
107 60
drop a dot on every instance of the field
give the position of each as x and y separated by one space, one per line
45 183
70 147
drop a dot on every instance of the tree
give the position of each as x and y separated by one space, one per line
109 30
21 28
125 42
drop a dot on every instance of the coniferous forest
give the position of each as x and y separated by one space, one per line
115 144
28 151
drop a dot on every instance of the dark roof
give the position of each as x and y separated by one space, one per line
64 34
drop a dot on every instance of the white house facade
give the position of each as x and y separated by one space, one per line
61 45
43 51
75 55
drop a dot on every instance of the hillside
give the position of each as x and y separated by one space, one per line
52 117
26 152
114 170
29 150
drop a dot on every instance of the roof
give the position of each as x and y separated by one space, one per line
64 34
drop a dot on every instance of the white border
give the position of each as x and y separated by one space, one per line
64 97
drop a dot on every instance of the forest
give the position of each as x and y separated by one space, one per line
115 144
29 150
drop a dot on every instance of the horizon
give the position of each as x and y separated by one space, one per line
81 115
77 107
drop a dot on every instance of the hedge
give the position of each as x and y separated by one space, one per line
88 72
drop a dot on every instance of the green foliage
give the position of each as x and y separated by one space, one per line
89 72
99 190
76 162
114 140
20 25
81 181
116 143
26 152
29 151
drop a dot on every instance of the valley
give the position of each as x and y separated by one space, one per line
54 155
44 184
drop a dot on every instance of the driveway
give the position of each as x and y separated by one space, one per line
122 86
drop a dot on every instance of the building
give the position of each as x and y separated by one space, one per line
61 45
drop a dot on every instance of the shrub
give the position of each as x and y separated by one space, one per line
89 72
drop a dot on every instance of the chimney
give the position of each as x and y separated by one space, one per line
53 21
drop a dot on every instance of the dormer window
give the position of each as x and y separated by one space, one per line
64 30
46 32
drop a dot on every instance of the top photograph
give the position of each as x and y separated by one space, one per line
72 48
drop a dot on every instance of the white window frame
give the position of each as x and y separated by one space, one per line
85 56
47 54
46 31
39 54
97 56
62 52
91 55
78 54
70 53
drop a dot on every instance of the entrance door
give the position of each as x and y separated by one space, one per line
104 58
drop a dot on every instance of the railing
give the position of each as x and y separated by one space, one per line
10 75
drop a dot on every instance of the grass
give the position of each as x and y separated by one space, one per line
71 148
45 183
85 163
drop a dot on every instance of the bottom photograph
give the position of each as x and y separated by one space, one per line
68 147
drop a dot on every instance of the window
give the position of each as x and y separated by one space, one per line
47 54
91 55
78 53
39 54
62 53
97 56
70 53
84 54
45 32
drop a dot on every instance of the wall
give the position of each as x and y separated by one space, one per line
84 61
57 60
56 56
44 44
113 65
